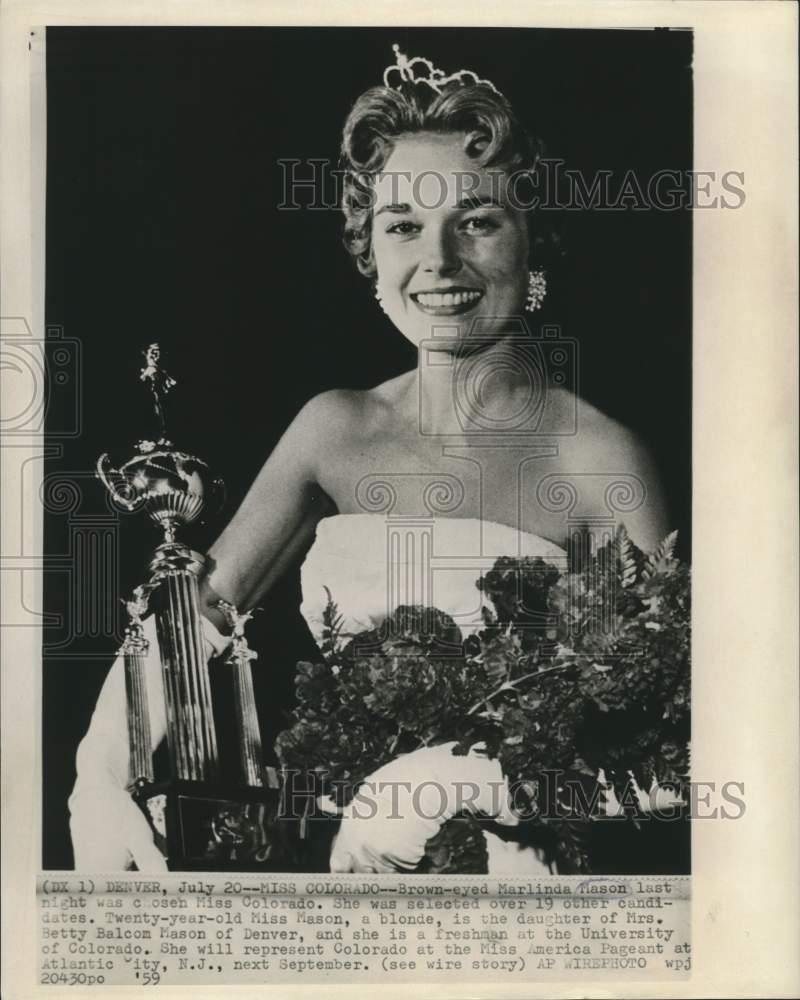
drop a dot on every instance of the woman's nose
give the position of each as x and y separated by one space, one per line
441 253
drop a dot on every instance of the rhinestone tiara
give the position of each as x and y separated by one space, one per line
420 70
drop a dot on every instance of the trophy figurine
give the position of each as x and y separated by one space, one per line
199 822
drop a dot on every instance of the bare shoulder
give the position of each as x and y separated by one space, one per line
330 409
604 441
347 405
335 421
607 447
347 409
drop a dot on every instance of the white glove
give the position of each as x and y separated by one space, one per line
108 829
404 803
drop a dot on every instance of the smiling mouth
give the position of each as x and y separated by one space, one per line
452 302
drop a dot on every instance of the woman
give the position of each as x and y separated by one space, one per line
473 440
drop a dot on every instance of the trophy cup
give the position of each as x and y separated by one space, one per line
199 822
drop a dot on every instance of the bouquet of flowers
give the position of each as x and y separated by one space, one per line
571 674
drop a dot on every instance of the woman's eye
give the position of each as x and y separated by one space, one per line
402 228
480 224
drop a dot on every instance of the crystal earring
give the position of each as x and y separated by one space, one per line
537 289
379 297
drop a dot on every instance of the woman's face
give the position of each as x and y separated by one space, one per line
451 252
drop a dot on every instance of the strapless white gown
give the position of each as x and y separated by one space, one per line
372 563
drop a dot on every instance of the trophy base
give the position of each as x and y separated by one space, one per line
201 826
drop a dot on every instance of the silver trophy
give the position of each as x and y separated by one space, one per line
199 822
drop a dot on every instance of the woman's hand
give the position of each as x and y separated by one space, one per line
404 803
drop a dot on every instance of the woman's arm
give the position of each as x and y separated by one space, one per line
277 519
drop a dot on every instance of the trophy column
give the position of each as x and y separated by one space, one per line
134 649
187 691
247 729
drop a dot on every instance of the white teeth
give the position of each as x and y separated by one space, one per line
447 299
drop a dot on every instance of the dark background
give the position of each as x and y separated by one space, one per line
162 224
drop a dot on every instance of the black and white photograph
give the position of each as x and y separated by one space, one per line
421 300
399 465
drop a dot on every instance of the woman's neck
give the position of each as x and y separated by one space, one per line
480 390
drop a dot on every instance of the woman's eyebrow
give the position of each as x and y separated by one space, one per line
479 201
465 204
396 208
